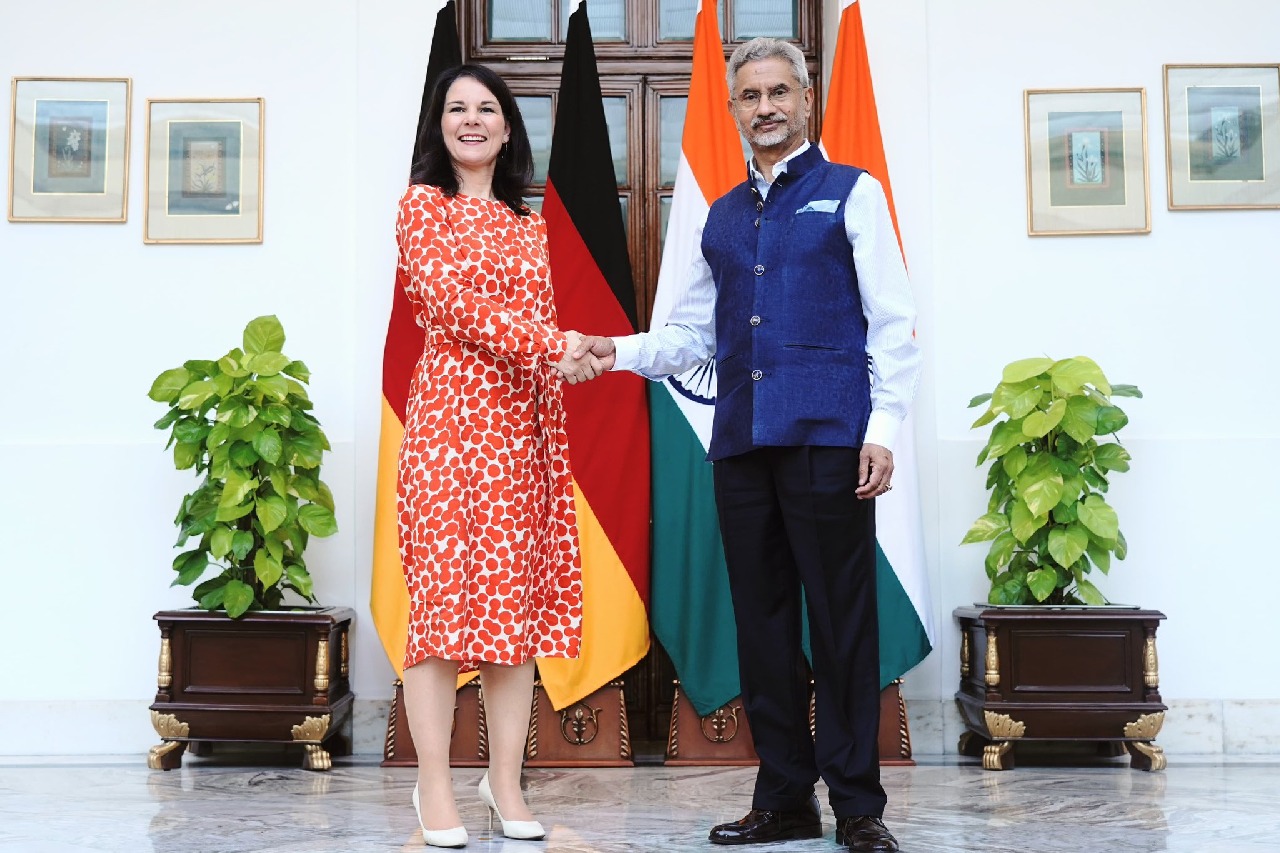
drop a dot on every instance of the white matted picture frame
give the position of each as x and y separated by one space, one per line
69 149
1086 161
1222 136
204 170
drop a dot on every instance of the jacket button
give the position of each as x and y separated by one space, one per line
759 269
757 375
755 321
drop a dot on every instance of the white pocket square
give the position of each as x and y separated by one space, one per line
825 205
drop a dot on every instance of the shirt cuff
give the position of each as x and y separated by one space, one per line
882 429
626 353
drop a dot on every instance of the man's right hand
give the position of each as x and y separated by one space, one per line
599 346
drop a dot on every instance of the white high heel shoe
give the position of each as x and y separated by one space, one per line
453 837
526 830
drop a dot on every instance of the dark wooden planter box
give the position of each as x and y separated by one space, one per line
270 677
589 733
723 737
1059 674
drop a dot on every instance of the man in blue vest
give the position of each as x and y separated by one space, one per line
800 294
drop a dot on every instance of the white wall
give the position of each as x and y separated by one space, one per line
89 315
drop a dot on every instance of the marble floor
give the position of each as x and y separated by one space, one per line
262 803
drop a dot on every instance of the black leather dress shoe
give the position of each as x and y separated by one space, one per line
761 825
865 834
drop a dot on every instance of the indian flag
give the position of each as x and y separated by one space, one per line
851 134
690 610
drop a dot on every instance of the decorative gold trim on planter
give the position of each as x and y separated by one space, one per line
1145 727
482 724
1151 664
624 731
346 656
721 727
673 732
155 755
165 676
322 665
169 726
904 733
1002 726
964 654
310 733
993 659
580 723
993 755
1155 755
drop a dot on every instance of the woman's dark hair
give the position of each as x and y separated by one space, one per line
512 173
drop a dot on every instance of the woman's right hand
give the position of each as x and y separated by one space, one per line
582 369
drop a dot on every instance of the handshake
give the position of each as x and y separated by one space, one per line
587 357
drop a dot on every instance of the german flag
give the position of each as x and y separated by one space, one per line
608 419
388 596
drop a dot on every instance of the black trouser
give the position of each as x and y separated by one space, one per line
789 517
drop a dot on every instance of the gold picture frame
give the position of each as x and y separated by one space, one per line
1222 136
1086 161
69 149
204 170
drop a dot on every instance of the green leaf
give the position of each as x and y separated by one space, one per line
274 544
1072 374
272 387
1125 391
272 512
1025 369
241 544
267 568
1042 582
1038 424
213 599
1095 479
1067 544
186 455
1017 399
1015 461
976 401
1023 523
275 413
318 521
1089 593
231 513
194 394
1099 517
298 370
1080 419
985 528
304 451
1040 486
1000 554
220 542
987 417
1009 588
268 445
237 598
232 364
237 487
190 429
200 367
1122 546
243 455
1111 457
263 334
1100 556
1110 419
169 418
168 385
300 579
1065 513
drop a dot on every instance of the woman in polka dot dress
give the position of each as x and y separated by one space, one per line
488 535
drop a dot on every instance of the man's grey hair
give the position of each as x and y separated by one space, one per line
768 48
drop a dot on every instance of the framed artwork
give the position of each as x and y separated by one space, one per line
69 149
204 171
1087 161
1222 136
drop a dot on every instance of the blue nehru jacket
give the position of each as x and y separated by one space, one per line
791 337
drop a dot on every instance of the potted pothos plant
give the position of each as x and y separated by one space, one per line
243 423
1048 658
1047 517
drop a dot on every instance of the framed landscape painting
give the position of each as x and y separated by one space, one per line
1086 161
204 171
1222 136
69 149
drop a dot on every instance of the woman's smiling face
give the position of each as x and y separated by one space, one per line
473 125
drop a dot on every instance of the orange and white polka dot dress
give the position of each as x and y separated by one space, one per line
488 534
